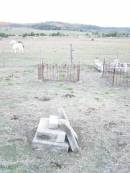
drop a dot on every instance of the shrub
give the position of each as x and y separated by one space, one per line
32 34
4 35
57 34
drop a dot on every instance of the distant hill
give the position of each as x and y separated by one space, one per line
64 26
4 24
51 25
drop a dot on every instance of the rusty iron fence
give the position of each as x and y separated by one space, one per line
55 72
117 75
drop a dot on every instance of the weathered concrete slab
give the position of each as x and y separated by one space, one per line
39 143
56 133
98 65
52 135
53 122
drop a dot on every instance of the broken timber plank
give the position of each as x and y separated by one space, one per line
63 115
63 124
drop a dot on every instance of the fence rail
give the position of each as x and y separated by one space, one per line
57 72
117 75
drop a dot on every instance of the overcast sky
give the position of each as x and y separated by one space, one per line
96 12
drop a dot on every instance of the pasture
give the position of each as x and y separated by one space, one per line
99 113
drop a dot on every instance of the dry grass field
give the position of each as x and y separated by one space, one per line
99 113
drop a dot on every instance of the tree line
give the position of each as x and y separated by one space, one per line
105 34
60 34
33 34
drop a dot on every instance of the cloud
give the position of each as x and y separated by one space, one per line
98 12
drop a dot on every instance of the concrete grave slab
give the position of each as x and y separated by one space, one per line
40 144
56 133
52 135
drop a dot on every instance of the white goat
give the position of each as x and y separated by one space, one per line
17 46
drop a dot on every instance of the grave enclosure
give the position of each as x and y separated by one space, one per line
63 72
116 75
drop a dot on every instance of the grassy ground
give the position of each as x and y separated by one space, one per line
98 113
57 50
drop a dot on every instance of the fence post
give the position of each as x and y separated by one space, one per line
39 72
113 78
103 68
71 54
78 72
